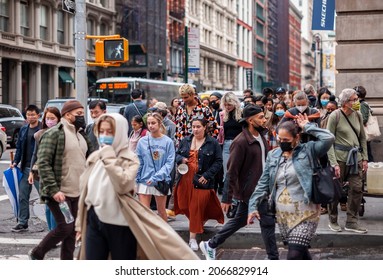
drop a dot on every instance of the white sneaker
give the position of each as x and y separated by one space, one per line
206 250
193 244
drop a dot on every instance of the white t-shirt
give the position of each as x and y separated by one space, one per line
259 139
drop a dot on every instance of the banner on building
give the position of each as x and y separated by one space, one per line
193 50
323 15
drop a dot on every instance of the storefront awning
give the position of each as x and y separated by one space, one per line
65 77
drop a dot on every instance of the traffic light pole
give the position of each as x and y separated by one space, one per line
81 80
186 71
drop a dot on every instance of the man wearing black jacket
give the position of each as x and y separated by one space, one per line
245 166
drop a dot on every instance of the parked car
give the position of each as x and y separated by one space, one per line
12 119
3 140
59 103
115 108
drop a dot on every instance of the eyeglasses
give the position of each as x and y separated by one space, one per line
354 100
200 117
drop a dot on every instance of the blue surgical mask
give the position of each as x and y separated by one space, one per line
324 102
105 140
280 113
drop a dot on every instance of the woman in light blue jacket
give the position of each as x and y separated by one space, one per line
287 181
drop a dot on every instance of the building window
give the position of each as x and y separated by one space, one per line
44 19
217 71
24 19
4 15
104 29
104 3
207 13
90 31
60 27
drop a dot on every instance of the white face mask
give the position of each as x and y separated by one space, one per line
301 108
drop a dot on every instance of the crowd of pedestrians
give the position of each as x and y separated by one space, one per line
255 153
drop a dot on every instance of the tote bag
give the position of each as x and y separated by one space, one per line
372 128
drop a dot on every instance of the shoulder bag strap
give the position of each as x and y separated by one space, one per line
137 109
353 129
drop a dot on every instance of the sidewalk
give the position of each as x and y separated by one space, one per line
250 236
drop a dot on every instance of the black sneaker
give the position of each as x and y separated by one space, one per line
19 228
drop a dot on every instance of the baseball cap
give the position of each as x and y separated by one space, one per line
280 90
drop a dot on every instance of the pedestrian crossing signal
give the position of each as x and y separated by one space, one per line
116 50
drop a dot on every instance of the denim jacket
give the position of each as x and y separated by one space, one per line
20 146
301 161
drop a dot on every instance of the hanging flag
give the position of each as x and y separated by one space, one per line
11 179
323 15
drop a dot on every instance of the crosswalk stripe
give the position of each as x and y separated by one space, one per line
3 197
19 241
14 257
5 162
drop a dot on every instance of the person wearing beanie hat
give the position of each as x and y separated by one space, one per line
61 159
215 102
70 105
250 149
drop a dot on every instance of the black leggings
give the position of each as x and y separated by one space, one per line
298 252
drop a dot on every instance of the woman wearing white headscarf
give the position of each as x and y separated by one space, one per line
110 222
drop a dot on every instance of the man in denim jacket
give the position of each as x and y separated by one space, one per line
24 150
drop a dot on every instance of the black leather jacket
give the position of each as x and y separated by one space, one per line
209 157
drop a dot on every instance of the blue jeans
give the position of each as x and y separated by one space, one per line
225 155
50 218
24 194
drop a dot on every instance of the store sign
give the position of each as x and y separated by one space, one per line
193 50
323 15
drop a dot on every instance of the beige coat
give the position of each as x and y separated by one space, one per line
156 239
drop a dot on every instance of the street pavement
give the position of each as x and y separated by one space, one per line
245 244
250 236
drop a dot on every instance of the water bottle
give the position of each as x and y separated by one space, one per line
66 212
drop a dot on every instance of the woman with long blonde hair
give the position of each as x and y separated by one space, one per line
156 154
230 127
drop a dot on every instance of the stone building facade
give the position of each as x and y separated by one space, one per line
37 56
359 36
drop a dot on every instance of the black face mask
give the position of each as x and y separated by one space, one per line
79 122
214 105
286 146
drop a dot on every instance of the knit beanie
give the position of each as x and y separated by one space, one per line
70 105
